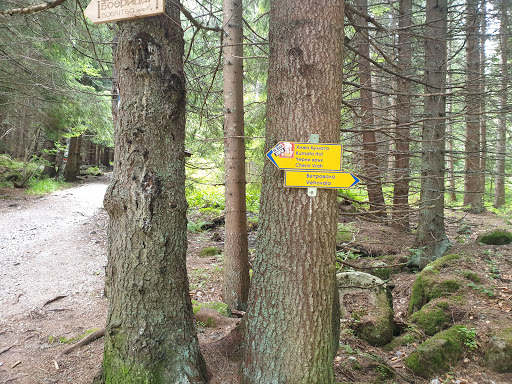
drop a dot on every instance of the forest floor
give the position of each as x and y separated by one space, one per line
52 263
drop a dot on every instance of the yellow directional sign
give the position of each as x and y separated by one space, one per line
104 11
306 156
337 180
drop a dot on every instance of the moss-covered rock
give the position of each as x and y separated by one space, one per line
499 355
438 354
366 300
430 284
497 237
433 317
381 270
404 339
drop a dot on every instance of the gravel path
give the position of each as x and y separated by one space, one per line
48 248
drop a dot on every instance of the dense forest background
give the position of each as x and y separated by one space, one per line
56 88
416 92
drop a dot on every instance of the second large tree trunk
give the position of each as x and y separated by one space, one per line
290 335
150 334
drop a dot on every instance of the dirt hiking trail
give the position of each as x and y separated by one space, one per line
51 248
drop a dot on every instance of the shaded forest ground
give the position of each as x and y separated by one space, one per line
53 248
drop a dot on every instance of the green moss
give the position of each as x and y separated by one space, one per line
438 354
379 331
175 363
382 271
220 307
498 237
430 285
499 355
76 338
431 318
443 261
385 373
470 275
210 251
402 340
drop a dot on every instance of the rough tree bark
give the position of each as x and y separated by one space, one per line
501 135
403 115
72 167
483 85
50 156
290 334
431 236
450 162
236 259
373 181
473 190
150 333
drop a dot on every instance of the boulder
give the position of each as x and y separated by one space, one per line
434 316
366 301
430 284
499 355
438 354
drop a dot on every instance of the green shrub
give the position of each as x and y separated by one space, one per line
93 171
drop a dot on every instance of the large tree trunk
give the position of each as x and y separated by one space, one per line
501 135
72 167
290 334
373 181
473 189
403 116
50 156
150 333
105 160
431 236
236 259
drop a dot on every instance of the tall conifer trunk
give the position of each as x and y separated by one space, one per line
473 188
150 334
431 236
501 135
236 263
374 184
403 115
290 329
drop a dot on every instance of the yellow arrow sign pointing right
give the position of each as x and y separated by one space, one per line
335 180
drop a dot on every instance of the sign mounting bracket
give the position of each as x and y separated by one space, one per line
313 138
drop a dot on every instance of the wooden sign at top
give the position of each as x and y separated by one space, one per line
105 11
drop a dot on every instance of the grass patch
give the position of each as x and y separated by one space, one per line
70 340
210 251
44 186
220 307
